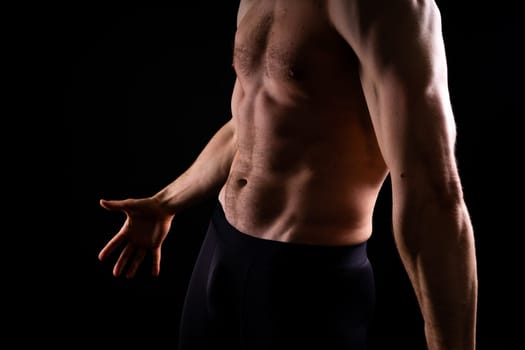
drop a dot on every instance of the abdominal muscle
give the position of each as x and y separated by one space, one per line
307 167
303 172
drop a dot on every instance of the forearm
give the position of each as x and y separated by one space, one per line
437 248
205 176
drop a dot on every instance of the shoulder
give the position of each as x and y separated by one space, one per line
386 28
244 5
363 17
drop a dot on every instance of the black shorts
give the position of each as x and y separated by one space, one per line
253 294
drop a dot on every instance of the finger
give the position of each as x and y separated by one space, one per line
135 263
114 204
123 259
155 268
110 247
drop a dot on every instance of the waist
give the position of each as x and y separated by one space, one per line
239 243
294 210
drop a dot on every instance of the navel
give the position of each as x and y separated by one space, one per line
242 182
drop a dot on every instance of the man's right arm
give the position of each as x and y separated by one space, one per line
205 176
148 219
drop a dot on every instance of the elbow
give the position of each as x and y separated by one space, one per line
429 212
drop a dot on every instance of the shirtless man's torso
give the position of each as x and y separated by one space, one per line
307 167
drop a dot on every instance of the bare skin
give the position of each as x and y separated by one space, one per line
308 166
331 97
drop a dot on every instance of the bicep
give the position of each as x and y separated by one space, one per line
414 125
404 78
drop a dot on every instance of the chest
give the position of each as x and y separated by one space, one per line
285 40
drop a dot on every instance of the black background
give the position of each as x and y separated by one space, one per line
126 98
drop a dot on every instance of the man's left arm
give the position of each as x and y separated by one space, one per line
404 76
